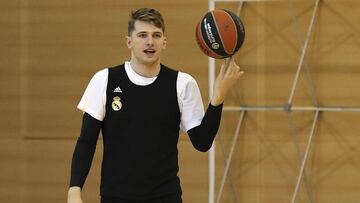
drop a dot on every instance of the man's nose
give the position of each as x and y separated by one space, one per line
150 40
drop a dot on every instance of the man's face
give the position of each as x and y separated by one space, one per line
146 43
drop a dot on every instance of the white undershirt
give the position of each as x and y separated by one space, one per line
189 98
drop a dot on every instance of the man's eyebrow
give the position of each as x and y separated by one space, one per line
145 32
141 32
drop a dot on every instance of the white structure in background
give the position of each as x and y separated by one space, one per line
288 108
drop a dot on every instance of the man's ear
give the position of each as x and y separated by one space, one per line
128 42
164 43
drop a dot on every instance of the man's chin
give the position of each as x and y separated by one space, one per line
151 61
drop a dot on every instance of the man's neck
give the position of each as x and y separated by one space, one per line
145 70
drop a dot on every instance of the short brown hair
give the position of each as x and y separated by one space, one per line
149 15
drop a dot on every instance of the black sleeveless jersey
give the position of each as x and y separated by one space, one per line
140 135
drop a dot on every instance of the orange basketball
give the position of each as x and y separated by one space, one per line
220 33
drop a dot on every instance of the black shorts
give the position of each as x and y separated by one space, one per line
166 199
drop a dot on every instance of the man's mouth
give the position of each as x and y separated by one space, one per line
149 51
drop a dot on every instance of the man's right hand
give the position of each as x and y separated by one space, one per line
227 78
74 195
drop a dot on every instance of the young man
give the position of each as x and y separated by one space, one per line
140 107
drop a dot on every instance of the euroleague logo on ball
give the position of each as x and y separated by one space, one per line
215 45
220 33
210 35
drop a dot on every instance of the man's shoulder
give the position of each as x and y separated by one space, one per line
185 76
168 68
100 74
181 74
116 67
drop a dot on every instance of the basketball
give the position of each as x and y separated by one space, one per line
220 33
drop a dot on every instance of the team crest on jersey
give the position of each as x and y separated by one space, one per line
116 104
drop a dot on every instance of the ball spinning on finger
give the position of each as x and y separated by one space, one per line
220 34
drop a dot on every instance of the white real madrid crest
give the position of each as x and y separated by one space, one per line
116 104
